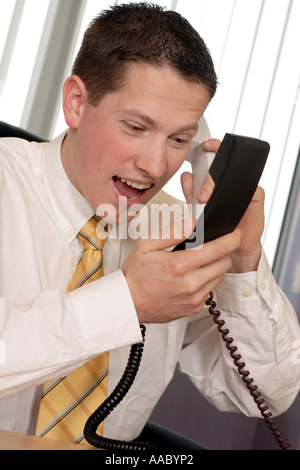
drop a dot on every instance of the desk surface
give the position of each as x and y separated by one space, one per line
14 441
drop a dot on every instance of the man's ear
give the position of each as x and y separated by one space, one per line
74 98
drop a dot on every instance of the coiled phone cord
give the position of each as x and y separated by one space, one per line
121 389
254 392
135 356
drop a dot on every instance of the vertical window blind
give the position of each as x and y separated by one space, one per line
254 47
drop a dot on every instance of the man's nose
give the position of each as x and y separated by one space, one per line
152 158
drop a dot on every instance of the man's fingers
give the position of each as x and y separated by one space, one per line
214 250
206 190
187 186
211 145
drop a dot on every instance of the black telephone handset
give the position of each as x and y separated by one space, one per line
236 170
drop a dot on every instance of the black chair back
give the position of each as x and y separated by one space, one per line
7 130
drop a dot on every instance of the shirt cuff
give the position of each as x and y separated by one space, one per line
245 292
106 313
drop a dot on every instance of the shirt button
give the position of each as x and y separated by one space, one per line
263 286
247 293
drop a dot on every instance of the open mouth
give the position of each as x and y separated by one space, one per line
130 189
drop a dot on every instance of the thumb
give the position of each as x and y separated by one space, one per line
170 235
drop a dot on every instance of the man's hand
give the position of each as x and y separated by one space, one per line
246 258
168 285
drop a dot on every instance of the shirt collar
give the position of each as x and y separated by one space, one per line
71 208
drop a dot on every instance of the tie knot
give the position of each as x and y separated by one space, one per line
93 235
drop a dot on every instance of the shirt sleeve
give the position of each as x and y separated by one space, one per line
59 332
265 329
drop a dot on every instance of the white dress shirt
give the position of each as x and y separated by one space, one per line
45 332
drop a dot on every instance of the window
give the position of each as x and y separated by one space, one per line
23 23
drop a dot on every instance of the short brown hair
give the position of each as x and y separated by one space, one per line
144 33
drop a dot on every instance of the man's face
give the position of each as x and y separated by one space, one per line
133 142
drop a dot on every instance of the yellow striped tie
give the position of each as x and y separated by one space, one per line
67 403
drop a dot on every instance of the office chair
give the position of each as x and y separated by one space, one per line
7 130
164 439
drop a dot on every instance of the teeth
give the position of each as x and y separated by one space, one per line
135 185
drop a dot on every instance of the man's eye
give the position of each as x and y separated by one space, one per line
181 140
132 126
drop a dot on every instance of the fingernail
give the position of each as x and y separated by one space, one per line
202 195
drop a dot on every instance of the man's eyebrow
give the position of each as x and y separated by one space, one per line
133 113
151 122
190 127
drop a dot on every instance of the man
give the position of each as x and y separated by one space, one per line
140 84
